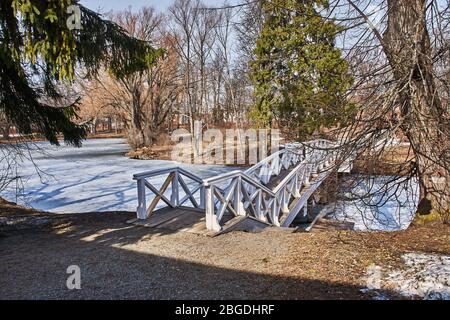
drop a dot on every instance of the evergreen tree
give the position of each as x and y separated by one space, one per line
299 75
39 52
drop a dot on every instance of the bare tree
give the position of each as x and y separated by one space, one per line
184 14
224 51
248 29
144 99
398 50
204 39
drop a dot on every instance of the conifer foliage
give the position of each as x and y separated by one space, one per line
39 52
299 75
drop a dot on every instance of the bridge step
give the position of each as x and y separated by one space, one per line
274 181
324 224
244 223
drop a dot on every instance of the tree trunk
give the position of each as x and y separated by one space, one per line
109 125
5 132
137 133
407 46
94 125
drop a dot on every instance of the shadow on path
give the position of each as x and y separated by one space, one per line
34 266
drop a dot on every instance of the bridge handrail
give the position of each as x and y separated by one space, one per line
159 172
175 179
315 144
276 200
267 160
214 181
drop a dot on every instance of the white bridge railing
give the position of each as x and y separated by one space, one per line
245 193
175 179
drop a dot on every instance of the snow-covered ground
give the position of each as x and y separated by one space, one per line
96 177
426 276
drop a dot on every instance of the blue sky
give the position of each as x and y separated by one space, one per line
160 5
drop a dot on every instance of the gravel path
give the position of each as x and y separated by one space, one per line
119 261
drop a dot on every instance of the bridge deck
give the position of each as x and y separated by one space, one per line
274 181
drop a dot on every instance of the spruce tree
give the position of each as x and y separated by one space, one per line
299 75
39 52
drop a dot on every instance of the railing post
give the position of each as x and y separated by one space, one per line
314 165
259 213
284 201
264 174
297 185
306 174
142 202
305 210
175 197
211 218
321 161
275 212
237 201
327 158
202 198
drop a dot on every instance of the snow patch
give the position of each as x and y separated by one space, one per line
425 276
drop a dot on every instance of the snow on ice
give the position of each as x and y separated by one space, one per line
97 177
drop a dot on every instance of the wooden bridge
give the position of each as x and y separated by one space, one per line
272 193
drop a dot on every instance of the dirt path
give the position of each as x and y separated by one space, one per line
119 261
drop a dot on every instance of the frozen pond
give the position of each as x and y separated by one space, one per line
377 204
96 177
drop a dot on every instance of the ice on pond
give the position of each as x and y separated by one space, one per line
378 204
96 177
